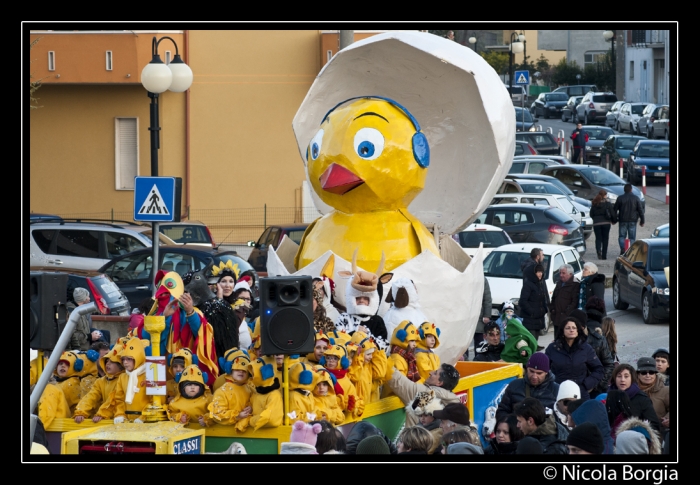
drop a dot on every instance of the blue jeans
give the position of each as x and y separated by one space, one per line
628 230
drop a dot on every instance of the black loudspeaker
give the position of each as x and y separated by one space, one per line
287 315
47 294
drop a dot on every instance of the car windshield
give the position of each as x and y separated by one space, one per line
626 143
655 151
604 98
490 239
519 113
599 133
506 264
296 235
555 97
638 109
535 188
185 233
601 176
658 259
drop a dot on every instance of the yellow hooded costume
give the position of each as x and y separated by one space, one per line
426 359
327 406
184 409
102 391
130 395
266 399
232 397
302 381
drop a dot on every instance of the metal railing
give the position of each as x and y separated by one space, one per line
232 227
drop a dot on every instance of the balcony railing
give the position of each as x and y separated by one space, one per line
648 38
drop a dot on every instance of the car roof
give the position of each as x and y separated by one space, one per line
530 176
540 208
653 142
656 241
88 273
548 249
523 179
291 226
482 227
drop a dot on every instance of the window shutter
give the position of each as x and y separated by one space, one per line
126 152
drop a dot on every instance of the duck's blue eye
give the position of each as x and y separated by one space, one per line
369 143
315 145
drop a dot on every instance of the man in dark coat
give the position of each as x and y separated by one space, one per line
592 320
592 283
490 349
580 138
536 257
538 383
565 296
628 208
545 428
534 299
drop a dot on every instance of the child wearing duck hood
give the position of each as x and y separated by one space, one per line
60 398
193 400
325 397
231 402
130 393
426 359
102 391
302 381
266 398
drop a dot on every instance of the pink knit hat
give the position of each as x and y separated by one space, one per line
305 433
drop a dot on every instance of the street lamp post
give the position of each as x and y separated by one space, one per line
609 35
473 41
516 47
157 78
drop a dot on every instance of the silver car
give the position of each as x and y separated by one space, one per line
629 116
613 113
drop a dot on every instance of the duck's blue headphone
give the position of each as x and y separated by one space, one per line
421 150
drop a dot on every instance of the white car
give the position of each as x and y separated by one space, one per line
490 236
629 116
502 270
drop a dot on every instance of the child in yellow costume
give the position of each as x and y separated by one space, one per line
403 343
336 361
90 373
323 341
192 401
231 402
68 375
176 364
327 406
377 362
302 381
360 370
266 400
339 337
34 367
101 392
426 359
130 395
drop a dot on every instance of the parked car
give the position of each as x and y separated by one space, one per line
568 112
576 90
502 270
188 232
549 105
652 154
594 107
272 237
589 179
645 121
542 198
639 279
84 244
664 230
659 124
524 120
536 224
491 237
618 147
629 116
517 93
613 113
524 148
106 295
596 137
544 142
133 273
530 165
516 183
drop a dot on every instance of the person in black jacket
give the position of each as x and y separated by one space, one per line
624 378
628 209
592 283
545 428
490 349
580 138
592 328
603 217
534 299
538 383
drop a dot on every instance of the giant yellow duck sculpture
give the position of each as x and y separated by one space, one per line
368 160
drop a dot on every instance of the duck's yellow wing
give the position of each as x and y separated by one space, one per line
425 238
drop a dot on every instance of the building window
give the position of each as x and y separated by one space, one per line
126 150
592 57
168 57
52 61
631 69
639 38
108 60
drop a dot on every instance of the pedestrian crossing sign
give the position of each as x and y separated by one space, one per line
522 77
154 199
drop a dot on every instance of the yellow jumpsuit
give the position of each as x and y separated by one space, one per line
228 402
53 404
194 408
426 361
139 403
360 374
71 389
302 402
327 408
268 409
98 394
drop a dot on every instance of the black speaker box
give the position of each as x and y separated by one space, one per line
47 315
286 315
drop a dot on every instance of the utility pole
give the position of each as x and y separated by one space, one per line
346 38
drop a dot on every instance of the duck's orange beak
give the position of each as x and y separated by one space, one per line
339 180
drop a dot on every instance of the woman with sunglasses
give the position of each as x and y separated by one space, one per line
624 378
650 383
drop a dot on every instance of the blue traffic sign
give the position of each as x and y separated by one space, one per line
154 199
522 77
